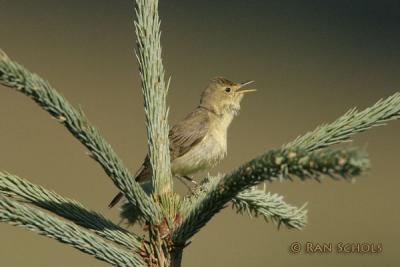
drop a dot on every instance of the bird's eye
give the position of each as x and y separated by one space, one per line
228 89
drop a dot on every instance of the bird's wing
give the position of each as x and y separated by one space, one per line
182 137
188 132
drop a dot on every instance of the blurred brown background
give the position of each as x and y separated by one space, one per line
311 60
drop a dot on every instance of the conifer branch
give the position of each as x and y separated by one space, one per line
15 76
335 163
285 160
148 53
32 219
352 122
22 190
256 202
172 203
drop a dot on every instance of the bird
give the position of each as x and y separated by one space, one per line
199 141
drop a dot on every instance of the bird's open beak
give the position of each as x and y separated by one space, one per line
240 90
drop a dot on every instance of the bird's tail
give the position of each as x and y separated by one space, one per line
146 185
143 177
115 200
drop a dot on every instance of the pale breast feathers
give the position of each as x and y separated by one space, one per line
196 143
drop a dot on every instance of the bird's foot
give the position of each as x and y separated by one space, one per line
184 180
190 179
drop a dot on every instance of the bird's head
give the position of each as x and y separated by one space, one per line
223 96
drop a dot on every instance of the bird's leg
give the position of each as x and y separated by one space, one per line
190 179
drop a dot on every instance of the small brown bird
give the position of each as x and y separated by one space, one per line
199 141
